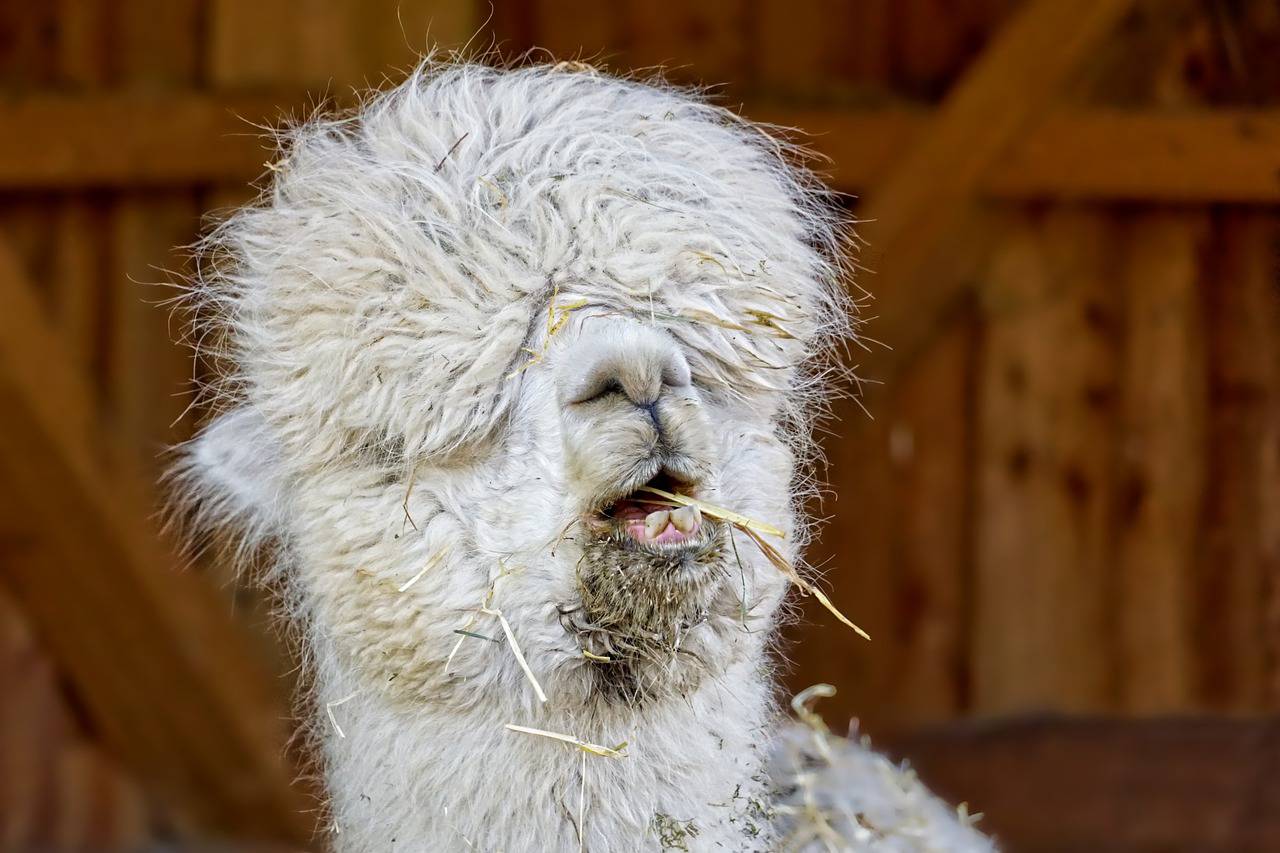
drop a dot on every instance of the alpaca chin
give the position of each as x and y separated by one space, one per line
637 608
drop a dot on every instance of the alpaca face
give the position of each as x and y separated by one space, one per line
468 330
650 575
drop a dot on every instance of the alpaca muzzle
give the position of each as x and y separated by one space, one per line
629 415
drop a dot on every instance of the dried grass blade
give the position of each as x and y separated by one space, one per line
515 648
593 748
781 564
328 709
436 558
467 633
735 518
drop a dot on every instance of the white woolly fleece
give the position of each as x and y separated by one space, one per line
410 325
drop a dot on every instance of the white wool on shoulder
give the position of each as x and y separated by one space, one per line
460 322
839 794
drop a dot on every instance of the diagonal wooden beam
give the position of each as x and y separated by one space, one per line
915 215
151 652
1071 152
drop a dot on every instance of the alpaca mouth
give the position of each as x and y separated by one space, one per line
644 518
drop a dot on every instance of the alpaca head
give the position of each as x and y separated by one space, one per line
463 332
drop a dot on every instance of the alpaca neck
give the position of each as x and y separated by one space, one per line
430 777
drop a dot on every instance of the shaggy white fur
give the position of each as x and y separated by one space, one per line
464 325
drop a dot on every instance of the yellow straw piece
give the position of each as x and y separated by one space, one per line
515 647
780 563
593 748
430 563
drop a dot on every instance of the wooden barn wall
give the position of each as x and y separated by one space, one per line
58 790
1071 501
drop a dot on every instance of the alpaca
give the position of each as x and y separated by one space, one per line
460 335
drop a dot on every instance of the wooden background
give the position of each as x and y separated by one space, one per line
1068 500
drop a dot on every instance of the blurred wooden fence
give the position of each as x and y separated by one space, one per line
1069 496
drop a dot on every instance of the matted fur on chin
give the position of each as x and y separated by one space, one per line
465 332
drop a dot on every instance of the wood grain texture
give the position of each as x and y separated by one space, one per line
58 790
138 139
1157 155
912 212
1046 401
930 438
150 652
149 374
1239 567
332 45
705 42
1163 397
159 140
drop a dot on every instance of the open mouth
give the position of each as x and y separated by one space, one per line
647 518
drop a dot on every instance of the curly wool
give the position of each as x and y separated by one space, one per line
398 325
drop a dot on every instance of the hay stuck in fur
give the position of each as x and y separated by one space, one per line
753 529
618 751
430 564
515 649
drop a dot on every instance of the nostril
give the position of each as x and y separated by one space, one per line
599 390
675 373
625 360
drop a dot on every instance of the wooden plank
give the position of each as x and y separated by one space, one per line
81 221
152 653
911 215
57 790
1174 155
78 266
559 30
802 49
332 44
1177 785
1093 153
929 442
1239 577
933 40
134 139
153 140
1163 404
149 374
156 46
1047 393
854 549
696 41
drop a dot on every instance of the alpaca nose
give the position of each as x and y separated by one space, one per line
626 358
